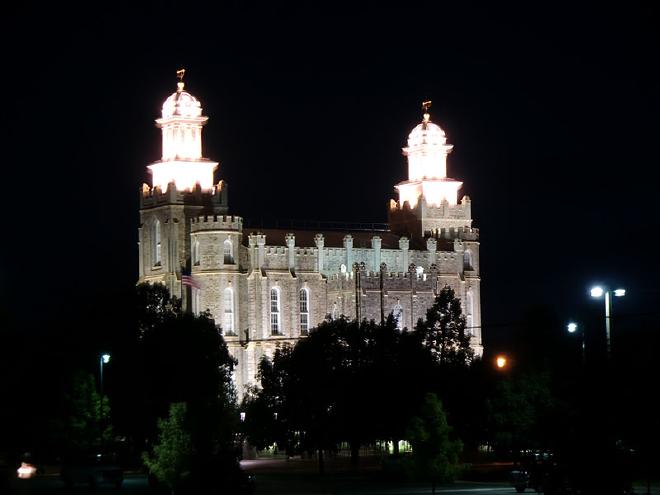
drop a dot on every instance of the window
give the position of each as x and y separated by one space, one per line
228 252
304 311
397 313
195 252
196 303
469 307
275 327
228 317
156 246
467 260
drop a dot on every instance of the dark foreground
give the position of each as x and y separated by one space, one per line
280 477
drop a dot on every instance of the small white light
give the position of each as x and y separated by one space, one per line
572 327
106 358
620 292
596 292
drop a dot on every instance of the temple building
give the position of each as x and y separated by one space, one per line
269 287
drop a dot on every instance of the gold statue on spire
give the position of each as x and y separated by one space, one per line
427 116
180 73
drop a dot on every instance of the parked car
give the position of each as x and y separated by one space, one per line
94 470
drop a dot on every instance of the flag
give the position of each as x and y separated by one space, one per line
190 281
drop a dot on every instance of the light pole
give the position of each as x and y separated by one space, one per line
103 359
597 292
572 328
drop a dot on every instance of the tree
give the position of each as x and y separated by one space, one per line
171 461
435 453
85 424
443 331
153 306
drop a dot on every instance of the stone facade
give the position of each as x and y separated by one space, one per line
270 287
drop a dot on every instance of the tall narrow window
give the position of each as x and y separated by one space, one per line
228 320
275 327
397 313
156 246
229 252
304 311
196 300
469 308
195 252
467 260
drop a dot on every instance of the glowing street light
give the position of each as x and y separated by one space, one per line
597 292
501 362
104 359
573 327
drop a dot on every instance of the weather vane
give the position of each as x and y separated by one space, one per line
426 105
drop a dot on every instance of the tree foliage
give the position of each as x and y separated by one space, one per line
435 452
171 460
444 330
85 423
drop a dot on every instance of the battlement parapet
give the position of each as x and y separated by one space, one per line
464 233
215 198
216 222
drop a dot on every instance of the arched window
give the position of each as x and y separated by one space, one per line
397 313
228 252
228 317
155 242
304 311
195 252
275 319
469 308
467 260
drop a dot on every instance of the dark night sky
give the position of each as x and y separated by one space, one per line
553 113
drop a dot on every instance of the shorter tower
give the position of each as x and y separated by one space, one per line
428 200
182 189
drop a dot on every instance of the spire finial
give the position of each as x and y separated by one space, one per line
425 106
180 73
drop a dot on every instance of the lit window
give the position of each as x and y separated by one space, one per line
469 308
228 319
304 311
275 327
195 252
397 313
467 260
196 303
156 246
228 252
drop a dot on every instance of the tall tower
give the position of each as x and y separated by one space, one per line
428 200
182 188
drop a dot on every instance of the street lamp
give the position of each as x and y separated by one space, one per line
573 327
597 292
501 362
104 359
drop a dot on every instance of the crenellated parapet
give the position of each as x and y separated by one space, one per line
424 219
214 200
216 223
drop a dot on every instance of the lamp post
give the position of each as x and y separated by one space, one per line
597 292
572 328
103 359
